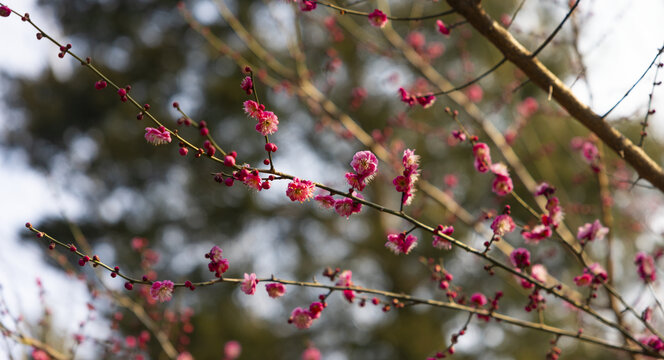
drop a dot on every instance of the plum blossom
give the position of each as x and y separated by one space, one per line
347 206
5 11
401 243
253 109
162 290
405 183
218 265
482 157
440 25
440 242
307 5
591 231
247 85
249 283
378 19
275 290
502 184
478 299
267 123
426 101
157 136
539 273
593 274
502 224
365 164
406 97
326 201
646 267
545 189
301 318
253 180
520 258
300 190
538 233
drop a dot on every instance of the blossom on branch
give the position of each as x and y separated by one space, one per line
301 318
405 183
591 231
482 157
162 290
300 190
439 242
5 11
401 243
646 267
378 19
157 136
249 283
442 28
275 290
218 265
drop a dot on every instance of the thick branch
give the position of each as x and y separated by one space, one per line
545 79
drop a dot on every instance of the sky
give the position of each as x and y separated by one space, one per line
618 43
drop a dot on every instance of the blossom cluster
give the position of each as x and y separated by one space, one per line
502 183
592 275
425 101
365 165
267 120
405 183
439 242
550 220
218 265
401 243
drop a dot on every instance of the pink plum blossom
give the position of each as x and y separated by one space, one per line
218 264
646 267
162 290
253 109
307 5
247 85
267 123
249 283
301 318
365 165
406 97
157 136
300 190
401 243
478 299
502 224
440 242
591 231
538 233
377 18
440 25
520 258
539 273
275 290
482 157
326 201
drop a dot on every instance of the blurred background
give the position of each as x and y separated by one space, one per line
75 158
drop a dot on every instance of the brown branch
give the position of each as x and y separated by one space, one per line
516 53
